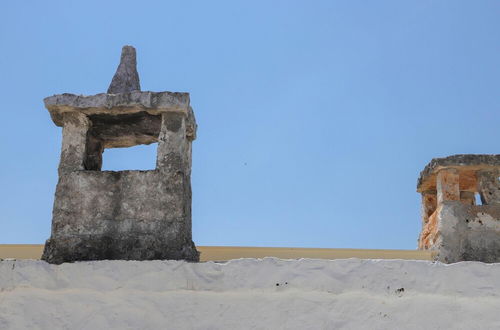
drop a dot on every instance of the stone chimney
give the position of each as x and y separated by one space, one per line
130 215
452 223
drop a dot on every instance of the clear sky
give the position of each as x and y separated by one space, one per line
315 117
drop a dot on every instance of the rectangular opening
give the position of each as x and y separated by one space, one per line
122 142
478 199
140 157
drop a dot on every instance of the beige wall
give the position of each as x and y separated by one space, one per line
221 253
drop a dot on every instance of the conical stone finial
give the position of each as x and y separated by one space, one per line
126 78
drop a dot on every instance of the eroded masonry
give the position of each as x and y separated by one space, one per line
453 224
137 215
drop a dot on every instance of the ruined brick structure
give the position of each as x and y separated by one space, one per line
137 215
452 223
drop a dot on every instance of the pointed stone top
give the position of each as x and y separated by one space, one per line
126 78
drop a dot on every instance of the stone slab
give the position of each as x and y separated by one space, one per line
466 164
125 103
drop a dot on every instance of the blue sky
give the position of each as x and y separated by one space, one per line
315 117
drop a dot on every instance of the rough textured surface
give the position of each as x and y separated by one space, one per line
429 205
466 233
74 143
126 78
249 294
139 215
468 198
464 163
125 130
489 186
447 185
153 103
429 233
452 224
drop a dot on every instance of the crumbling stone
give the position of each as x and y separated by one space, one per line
452 224
467 164
447 185
429 205
488 184
131 215
468 197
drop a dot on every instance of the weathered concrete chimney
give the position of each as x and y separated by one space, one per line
452 223
139 215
